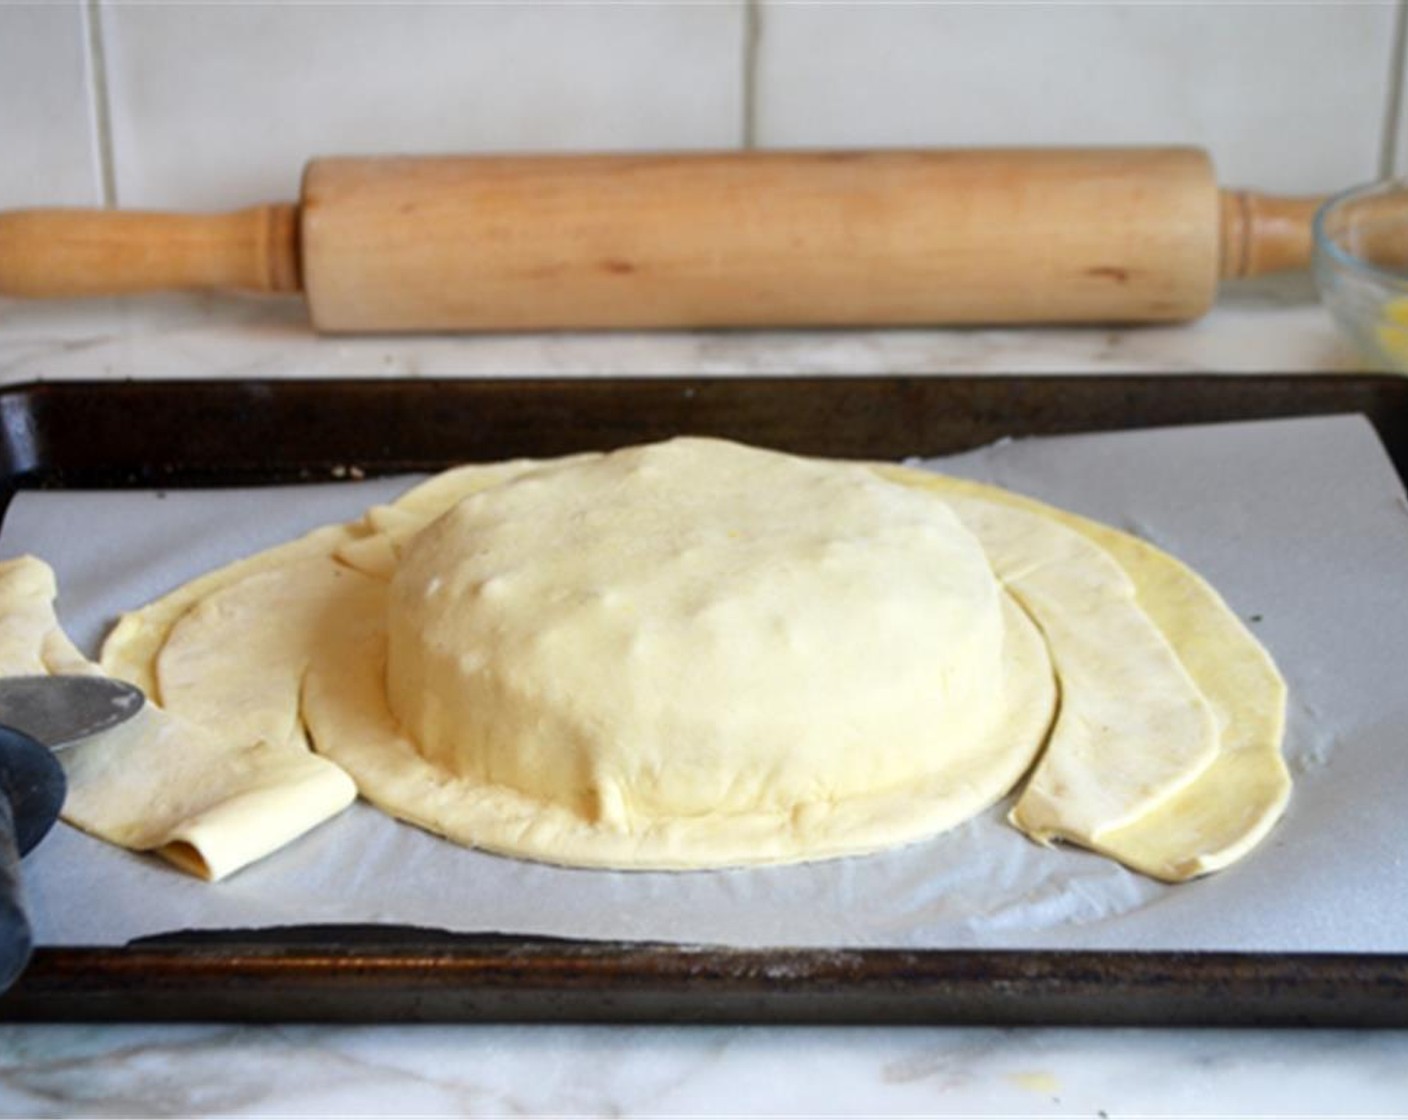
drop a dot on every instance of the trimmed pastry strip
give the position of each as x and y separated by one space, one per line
161 783
1232 805
1133 728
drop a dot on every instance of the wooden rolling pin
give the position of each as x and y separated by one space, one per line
744 239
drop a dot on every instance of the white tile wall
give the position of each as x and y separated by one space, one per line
1287 96
218 104
48 152
1397 162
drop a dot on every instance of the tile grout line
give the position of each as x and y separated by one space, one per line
102 109
752 32
1393 110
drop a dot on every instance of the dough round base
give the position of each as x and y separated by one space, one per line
348 717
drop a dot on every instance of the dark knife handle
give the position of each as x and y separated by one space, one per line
16 941
32 792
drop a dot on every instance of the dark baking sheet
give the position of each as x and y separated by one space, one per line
145 434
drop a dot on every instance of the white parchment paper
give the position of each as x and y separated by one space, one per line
1301 524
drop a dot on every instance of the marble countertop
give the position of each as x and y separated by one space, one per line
210 1070
1258 327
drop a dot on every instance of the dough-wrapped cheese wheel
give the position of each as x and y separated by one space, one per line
702 630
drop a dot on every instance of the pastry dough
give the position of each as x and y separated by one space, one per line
207 796
1232 803
687 655
1122 682
693 654
739 730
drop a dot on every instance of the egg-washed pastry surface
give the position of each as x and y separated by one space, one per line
696 654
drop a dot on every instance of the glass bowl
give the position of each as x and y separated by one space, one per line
1361 268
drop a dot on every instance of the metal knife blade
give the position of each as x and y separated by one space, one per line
63 709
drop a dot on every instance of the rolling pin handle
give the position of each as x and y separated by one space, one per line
75 252
1262 233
